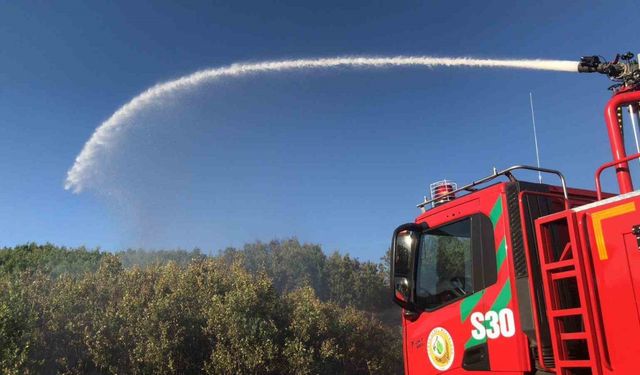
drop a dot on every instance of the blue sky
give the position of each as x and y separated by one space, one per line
338 158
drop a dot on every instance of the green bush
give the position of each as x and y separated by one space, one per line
210 315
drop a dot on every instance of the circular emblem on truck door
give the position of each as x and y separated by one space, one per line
440 348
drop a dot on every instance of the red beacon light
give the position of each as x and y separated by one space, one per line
442 192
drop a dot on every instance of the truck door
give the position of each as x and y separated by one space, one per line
455 263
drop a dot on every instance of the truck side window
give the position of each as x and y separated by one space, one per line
455 260
445 265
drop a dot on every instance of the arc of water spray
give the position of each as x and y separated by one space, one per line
105 134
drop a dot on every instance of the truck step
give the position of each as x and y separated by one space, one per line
566 312
554 266
563 275
573 336
584 363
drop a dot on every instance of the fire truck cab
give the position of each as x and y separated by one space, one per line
514 277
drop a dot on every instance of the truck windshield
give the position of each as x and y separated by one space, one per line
444 265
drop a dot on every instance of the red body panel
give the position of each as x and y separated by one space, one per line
616 271
607 288
449 317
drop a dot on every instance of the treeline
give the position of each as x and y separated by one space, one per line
269 308
48 259
337 278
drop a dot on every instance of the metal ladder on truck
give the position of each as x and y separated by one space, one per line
567 294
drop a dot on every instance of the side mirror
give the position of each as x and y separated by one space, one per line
404 248
402 290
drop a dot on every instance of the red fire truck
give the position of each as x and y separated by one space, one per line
514 277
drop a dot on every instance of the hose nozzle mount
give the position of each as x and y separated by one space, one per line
623 69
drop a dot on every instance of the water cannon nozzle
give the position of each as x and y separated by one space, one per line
623 69
589 64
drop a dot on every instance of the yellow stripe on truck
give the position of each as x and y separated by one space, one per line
597 218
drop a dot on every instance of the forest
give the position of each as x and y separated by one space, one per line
281 307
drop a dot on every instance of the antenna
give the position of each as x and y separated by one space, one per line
535 135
